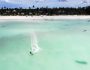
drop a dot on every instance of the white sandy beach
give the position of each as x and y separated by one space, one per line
46 17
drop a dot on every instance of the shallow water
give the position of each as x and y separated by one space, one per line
65 45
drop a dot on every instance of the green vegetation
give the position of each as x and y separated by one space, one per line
44 11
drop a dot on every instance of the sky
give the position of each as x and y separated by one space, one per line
44 3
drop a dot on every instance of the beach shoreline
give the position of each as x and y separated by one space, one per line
47 17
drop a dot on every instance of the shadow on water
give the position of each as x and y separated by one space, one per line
81 62
2 26
88 20
84 30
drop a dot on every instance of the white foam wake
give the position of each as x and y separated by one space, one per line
34 43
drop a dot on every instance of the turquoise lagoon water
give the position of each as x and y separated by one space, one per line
65 45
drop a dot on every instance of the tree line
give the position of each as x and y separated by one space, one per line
44 11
